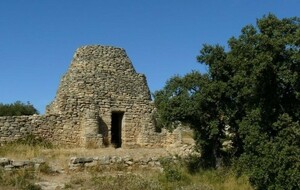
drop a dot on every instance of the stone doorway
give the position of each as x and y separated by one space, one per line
116 128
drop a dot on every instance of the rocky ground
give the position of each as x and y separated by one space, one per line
58 167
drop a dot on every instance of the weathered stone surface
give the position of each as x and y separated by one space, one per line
101 100
127 161
8 167
104 160
82 160
116 159
4 161
50 185
38 160
21 163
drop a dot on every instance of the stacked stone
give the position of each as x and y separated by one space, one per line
100 76
9 164
100 81
48 127
108 161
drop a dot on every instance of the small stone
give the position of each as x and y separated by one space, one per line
91 164
4 161
18 164
38 160
50 185
8 167
117 159
104 160
129 163
127 158
75 160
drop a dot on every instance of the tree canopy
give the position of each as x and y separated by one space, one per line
247 107
17 109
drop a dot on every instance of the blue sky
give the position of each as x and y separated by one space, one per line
162 37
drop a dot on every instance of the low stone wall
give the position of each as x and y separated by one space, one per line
49 127
9 164
108 161
149 138
76 163
72 132
15 127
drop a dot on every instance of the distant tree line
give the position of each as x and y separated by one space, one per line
245 110
17 108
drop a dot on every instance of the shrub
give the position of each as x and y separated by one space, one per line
193 164
17 109
173 171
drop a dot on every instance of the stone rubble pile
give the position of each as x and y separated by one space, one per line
9 164
106 161
184 151
82 162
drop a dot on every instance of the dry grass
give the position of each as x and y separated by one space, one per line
18 179
174 176
222 180
19 151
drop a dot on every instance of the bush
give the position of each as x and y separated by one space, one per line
275 163
173 171
17 109
194 164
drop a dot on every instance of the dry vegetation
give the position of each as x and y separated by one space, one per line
173 176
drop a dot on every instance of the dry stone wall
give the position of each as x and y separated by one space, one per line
101 100
49 127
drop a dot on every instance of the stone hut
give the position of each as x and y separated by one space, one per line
101 101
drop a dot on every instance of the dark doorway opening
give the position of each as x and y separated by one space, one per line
116 128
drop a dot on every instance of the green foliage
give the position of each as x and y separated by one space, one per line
249 101
272 163
194 164
173 171
17 109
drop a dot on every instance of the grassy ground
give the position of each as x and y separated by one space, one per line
173 176
170 178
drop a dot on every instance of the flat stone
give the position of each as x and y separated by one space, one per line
127 158
4 161
50 185
8 167
104 160
152 163
116 159
145 160
82 160
91 164
129 163
21 163
38 160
